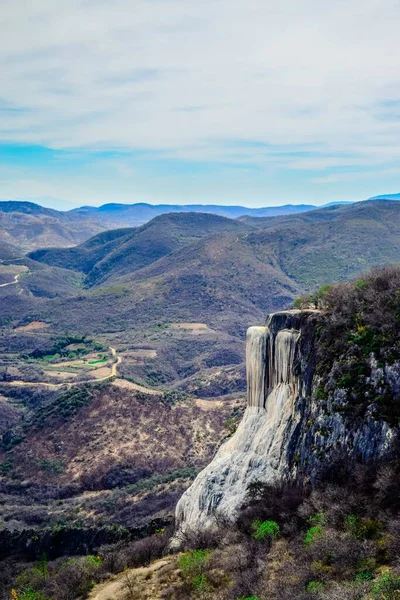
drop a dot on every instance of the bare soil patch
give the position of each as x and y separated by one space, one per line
140 353
146 583
101 373
190 326
32 326
129 385
60 374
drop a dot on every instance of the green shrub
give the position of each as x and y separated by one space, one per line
200 583
314 587
94 561
386 587
312 534
265 529
54 467
297 303
28 594
363 576
363 528
5 467
192 563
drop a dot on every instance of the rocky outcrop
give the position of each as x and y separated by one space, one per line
285 427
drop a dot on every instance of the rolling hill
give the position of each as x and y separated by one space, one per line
27 226
115 253
330 244
295 252
139 281
173 298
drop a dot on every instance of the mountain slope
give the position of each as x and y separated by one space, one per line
227 279
331 244
28 226
25 282
116 253
86 255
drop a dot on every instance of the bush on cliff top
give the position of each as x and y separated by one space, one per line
359 320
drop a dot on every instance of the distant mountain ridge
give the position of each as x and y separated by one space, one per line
179 261
386 197
140 213
28 226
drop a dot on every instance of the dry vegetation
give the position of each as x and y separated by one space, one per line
133 452
337 540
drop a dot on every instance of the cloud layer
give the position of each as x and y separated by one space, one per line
308 86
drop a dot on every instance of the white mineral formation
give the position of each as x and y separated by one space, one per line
257 451
287 427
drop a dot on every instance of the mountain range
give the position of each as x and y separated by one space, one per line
27 226
309 249
171 299
30 226
129 283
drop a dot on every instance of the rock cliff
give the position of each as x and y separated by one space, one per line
286 427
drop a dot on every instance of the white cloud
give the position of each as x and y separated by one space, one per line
194 78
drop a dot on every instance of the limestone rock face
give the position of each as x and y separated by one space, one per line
283 428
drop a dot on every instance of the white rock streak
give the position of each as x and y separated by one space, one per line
257 451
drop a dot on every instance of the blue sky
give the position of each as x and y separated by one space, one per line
222 101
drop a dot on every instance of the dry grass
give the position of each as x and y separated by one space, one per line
120 428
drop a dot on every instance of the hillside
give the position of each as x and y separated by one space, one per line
29 226
226 280
334 536
25 283
115 253
308 249
332 243
81 441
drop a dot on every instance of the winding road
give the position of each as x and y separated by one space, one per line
16 280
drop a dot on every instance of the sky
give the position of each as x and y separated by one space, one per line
248 102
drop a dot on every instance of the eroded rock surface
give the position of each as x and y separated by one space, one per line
284 427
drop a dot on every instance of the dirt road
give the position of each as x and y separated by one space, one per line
146 583
16 280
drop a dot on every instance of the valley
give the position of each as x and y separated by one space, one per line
122 358
199 300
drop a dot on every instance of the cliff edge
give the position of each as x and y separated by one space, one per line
287 428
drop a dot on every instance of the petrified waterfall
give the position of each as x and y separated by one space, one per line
256 365
258 449
286 426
